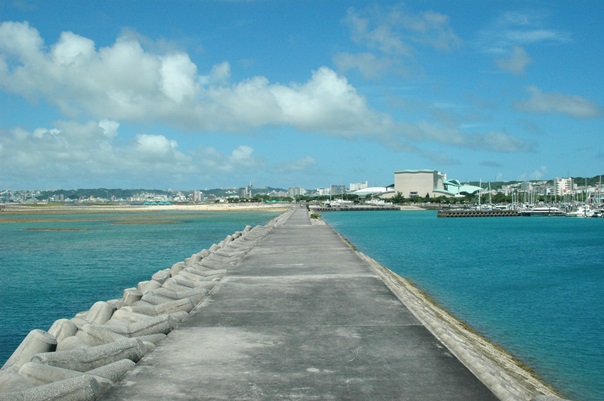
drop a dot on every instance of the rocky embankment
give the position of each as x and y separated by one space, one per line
82 357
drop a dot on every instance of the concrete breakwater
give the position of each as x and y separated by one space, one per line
82 357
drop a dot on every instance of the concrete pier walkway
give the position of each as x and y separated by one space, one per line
302 317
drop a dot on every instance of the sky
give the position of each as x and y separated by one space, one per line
197 94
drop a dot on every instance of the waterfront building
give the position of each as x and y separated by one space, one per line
418 183
373 191
197 196
243 193
337 190
356 186
296 191
457 189
563 186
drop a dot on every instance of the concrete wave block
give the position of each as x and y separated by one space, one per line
214 248
131 295
79 321
204 253
190 274
163 324
161 276
99 313
184 304
548 398
159 324
113 371
212 264
153 338
179 316
115 303
171 284
79 388
41 374
227 252
11 380
152 297
90 358
176 267
98 335
62 329
202 271
37 341
190 261
71 343
127 316
145 286
141 307
196 295
183 281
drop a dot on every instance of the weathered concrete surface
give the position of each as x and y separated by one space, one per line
301 317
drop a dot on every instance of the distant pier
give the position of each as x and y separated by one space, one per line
353 208
477 213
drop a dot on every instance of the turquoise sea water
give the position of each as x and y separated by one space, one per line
534 285
53 266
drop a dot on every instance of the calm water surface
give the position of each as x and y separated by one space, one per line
53 266
532 285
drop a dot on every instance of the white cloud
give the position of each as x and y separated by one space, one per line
124 82
92 153
515 61
392 36
178 77
506 38
571 105
394 30
368 64
519 29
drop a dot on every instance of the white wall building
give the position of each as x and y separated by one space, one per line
563 186
418 183
355 186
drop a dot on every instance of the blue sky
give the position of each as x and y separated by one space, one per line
204 94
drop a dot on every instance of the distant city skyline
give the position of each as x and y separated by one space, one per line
308 94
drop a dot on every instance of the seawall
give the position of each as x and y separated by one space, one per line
281 311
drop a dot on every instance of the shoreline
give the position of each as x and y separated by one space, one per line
91 209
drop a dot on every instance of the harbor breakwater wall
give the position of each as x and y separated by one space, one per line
82 357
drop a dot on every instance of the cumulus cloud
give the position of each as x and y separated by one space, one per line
392 35
92 152
571 105
124 82
128 83
516 61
